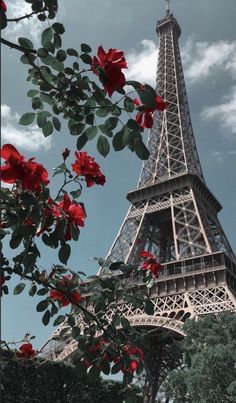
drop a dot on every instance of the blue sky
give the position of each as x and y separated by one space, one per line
208 49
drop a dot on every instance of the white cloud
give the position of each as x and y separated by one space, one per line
141 62
29 27
224 113
218 156
200 60
28 138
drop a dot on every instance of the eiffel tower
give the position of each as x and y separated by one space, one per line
173 215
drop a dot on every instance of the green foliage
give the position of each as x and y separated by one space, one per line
25 381
210 355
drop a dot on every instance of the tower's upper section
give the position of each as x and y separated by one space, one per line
167 24
171 141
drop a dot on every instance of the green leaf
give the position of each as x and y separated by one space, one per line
103 146
71 321
47 129
46 317
59 320
148 97
32 290
85 48
75 193
27 119
47 98
91 132
125 323
56 123
74 232
61 55
82 140
26 43
134 84
57 41
47 76
46 36
41 17
141 150
42 118
105 130
42 305
42 291
86 58
111 123
36 103
27 59
117 142
75 332
19 288
148 307
116 368
64 253
3 20
128 105
58 28
60 169
75 128
42 52
32 93
15 241
72 52
101 113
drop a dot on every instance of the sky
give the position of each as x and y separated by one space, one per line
208 49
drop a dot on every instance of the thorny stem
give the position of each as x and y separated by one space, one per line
17 47
26 16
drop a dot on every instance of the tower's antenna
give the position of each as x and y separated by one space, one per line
167 7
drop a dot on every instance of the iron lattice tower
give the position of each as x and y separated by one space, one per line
173 215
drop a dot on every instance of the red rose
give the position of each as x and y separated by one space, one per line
86 166
108 66
136 355
31 174
150 263
71 211
26 351
144 116
65 296
3 6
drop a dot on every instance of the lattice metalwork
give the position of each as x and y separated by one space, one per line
171 141
174 216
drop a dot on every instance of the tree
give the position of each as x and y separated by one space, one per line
76 86
210 354
26 381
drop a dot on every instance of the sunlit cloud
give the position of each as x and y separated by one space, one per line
200 60
142 61
224 112
28 138
28 27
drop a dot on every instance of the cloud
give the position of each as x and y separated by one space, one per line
29 27
220 156
200 60
224 113
141 62
21 136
